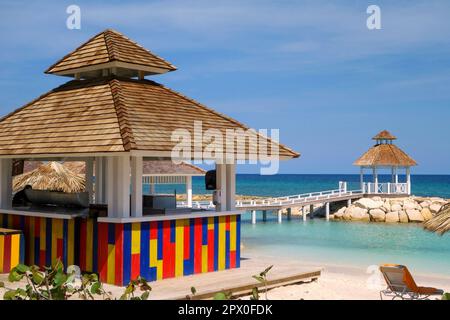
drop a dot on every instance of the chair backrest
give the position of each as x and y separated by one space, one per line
398 278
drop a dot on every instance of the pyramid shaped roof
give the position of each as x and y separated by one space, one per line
110 49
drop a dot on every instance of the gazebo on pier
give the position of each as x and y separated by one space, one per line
385 155
113 119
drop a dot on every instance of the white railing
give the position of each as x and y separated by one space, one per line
385 188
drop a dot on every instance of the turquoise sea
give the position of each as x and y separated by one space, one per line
341 243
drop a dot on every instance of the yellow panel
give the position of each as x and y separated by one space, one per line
135 238
179 247
111 264
2 251
42 234
204 258
31 241
153 252
70 242
159 270
15 250
89 244
210 223
221 247
232 233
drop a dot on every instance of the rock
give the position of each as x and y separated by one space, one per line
425 204
367 203
386 206
403 217
377 215
338 215
377 199
435 207
426 214
396 207
414 215
392 217
409 205
356 214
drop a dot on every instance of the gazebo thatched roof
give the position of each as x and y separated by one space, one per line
384 135
440 223
50 176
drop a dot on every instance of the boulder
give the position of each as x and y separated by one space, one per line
367 203
338 215
425 204
426 214
414 215
356 214
396 207
403 217
377 215
409 205
435 207
392 217
377 198
386 206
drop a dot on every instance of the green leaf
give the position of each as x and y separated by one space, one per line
60 279
10 295
446 296
264 273
37 278
22 268
255 294
260 279
145 295
193 290
95 288
220 296
2 284
14 276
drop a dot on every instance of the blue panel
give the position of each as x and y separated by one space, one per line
145 250
216 243
160 240
204 231
48 242
238 240
152 274
111 233
172 231
227 249
126 253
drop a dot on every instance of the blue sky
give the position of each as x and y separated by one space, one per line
310 68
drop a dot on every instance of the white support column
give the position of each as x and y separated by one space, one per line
89 178
5 183
375 179
396 175
361 178
393 174
118 186
408 180
152 188
253 216
99 187
231 187
304 213
349 202
136 186
221 184
327 211
280 216
189 191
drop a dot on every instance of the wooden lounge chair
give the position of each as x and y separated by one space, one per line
401 284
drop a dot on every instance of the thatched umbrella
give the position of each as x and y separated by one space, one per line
51 176
440 223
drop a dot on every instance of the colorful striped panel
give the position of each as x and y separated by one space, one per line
121 252
12 251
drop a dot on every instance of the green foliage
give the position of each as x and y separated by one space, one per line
446 296
54 284
141 284
261 278
223 296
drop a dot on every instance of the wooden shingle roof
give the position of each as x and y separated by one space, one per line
110 49
385 155
384 135
108 114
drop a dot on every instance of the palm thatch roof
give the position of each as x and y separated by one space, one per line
50 176
440 223
384 135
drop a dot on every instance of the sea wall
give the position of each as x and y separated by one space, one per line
390 210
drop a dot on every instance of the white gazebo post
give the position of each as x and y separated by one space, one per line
408 180
361 178
221 185
118 186
136 186
99 180
189 191
375 179
89 178
396 175
231 187
5 183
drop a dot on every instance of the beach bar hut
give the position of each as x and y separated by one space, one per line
113 118
385 155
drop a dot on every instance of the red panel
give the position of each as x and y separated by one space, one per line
119 255
227 221
198 245
16 222
154 230
186 242
135 265
168 267
210 250
82 245
102 251
59 249
7 254
232 259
